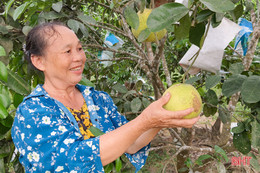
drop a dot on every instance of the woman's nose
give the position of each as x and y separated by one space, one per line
77 56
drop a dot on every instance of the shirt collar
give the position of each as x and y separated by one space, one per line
40 91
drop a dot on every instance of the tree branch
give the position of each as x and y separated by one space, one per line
193 148
172 131
159 53
113 50
107 6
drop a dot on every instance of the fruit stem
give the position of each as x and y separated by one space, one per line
195 56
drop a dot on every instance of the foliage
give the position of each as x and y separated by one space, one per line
134 78
219 156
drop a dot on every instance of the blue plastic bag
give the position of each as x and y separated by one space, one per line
243 36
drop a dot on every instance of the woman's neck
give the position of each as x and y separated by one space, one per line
70 96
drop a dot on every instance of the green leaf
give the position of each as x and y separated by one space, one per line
145 102
51 15
237 12
3 29
73 24
5 100
188 162
3 71
165 15
17 99
86 82
2 51
224 114
221 152
120 88
236 68
131 17
57 6
3 131
109 168
86 19
249 6
2 165
242 142
7 44
196 33
7 7
3 112
235 1
127 106
209 110
131 92
26 30
182 30
211 97
254 161
192 80
8 121
215 20
202 158
136 104
84 30
239 128
219 6
250 91
19 10
203 15
18 84
233 85
118 164
144 34
96 131
212 81
255 134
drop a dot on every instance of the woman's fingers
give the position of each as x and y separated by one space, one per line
179 114
186 123
164 99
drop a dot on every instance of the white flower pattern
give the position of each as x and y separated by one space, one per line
46 120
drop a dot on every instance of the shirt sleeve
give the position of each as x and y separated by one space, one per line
139 158
48 142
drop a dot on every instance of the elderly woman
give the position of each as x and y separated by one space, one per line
51 127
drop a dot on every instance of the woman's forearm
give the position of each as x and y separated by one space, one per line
143 140
116 142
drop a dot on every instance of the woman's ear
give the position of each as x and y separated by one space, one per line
38 62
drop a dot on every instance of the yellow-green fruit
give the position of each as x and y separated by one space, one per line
142 25
184 96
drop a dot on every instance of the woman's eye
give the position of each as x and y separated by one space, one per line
80 48
68 51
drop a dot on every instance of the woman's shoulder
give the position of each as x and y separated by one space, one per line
36 99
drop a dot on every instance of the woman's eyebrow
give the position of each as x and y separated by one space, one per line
69 45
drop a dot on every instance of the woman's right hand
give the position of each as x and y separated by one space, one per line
155 116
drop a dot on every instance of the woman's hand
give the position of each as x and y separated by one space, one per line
155 116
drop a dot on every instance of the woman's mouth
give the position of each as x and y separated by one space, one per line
75 69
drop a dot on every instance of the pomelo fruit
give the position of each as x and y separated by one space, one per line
142 26
184 96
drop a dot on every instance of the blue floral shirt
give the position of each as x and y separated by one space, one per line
48 138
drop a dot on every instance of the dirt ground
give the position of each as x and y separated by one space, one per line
163 147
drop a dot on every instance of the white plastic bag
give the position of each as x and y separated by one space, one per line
212 51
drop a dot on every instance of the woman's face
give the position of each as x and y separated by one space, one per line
63 58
